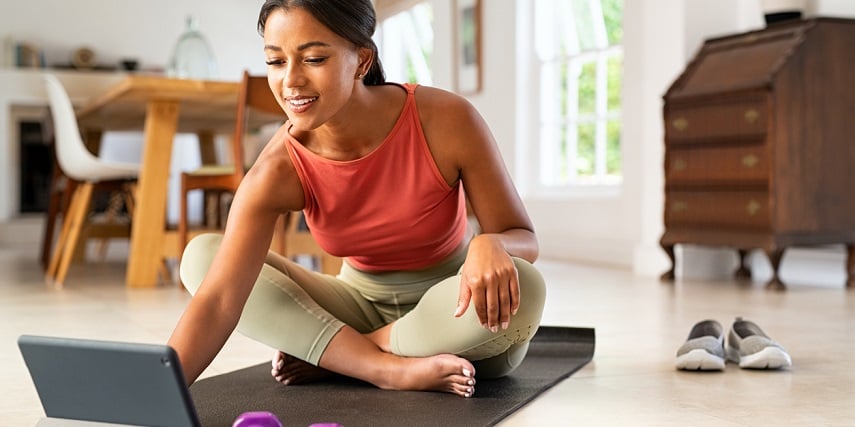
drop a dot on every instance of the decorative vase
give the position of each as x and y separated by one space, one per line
192 57
782 10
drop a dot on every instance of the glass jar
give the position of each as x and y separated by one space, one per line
192 57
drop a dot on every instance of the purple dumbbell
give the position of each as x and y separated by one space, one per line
257 419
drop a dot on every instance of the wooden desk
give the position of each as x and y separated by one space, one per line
758 144
161 107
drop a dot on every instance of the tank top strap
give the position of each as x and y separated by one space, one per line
410 87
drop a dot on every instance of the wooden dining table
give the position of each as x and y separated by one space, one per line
161 107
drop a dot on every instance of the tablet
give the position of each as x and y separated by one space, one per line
108 382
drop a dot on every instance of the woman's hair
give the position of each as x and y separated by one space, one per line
353 20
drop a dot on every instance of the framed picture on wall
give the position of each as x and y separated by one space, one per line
468 46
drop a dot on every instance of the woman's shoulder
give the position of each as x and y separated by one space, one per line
441 107
274 171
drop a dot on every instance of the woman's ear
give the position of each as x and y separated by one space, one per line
366 58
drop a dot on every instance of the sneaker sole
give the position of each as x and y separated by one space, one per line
700 360
768 358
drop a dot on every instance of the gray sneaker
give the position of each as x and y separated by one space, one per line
704 349
748 346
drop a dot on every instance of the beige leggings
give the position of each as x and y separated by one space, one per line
298 311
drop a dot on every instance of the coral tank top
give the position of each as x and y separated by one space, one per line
390 210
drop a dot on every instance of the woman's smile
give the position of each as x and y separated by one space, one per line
299 104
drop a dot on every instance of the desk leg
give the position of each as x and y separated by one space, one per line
149 223
850 266
669 275
775 282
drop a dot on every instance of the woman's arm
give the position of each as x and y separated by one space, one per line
464 149
214 310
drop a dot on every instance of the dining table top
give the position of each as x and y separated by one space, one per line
205 104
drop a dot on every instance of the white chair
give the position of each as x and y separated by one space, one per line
79 164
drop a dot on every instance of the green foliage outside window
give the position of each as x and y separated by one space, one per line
586 118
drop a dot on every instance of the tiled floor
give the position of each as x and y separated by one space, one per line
639 325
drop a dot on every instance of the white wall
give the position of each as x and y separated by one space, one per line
146 30
143 30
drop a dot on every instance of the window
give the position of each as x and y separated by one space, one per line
579 60
405 41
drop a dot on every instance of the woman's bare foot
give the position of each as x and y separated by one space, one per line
288 369
366 357
443 372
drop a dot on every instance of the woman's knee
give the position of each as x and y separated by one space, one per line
197 258
532 290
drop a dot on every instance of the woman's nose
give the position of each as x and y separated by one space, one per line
293 76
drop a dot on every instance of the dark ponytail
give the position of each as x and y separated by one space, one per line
353 20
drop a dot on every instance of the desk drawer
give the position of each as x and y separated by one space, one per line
737 165
730 209
742 119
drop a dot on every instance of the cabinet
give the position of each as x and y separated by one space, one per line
760 143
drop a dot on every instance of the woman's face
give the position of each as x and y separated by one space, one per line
311 70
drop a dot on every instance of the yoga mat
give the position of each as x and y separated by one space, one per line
554 354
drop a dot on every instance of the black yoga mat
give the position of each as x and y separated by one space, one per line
555 353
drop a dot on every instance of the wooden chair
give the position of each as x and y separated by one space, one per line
89 172
255 98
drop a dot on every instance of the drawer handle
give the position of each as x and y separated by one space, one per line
753 207
679 207
751 116
680 124
678 165
750 161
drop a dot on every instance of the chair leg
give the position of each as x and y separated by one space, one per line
182 220
111 215
71 231
53 211
59 246
58 205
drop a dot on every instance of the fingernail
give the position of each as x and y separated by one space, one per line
504 325
467 372
494 329
514 311
457 311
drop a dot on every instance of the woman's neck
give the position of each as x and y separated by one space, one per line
360 127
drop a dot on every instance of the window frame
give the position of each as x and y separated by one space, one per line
537 159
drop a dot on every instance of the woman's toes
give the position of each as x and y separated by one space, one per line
465 391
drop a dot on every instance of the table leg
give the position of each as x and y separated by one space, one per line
149 223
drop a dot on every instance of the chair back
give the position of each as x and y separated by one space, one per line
73 157
257 100
75 160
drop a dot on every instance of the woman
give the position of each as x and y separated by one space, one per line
380 171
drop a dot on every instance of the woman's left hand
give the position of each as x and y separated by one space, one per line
490 281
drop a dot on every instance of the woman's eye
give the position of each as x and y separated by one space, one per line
274 62
315 60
